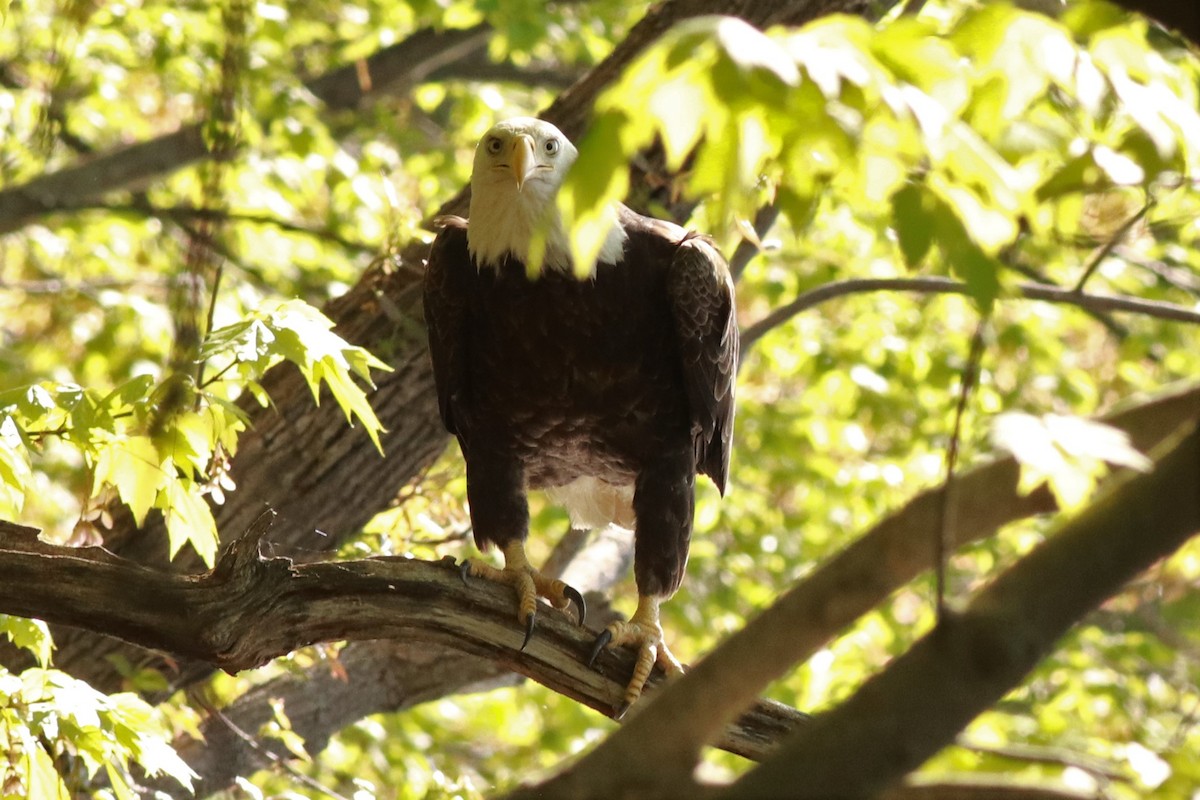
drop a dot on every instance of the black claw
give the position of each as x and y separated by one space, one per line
464 570
601 642
621 709
572 594
529 621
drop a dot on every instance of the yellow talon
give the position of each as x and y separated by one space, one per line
529 584
642 629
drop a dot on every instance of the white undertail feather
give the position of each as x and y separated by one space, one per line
593 503
504 218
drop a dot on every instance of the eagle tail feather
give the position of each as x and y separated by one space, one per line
593 503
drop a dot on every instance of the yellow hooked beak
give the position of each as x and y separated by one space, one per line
522 160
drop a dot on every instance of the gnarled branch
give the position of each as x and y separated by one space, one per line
250 609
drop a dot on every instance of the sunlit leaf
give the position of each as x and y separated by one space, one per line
30 634
43 779
15 469
189 519
131 465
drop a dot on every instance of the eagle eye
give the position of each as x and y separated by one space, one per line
552 146
494 145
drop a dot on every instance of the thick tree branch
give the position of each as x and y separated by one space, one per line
249 610
381 676
905 714
690 712
369 678
938 285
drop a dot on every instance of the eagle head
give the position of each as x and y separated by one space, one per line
519 165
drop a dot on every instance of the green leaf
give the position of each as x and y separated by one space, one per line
1085 20
980 271
43 779
748 48
189 519
30 634
913 220
15 469
133 466
598 178
248 340
304 336
800 208
1079 175
119 780
157 757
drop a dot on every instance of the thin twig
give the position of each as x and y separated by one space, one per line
268 757
184 211
946 516
1177 277
937 285
1105 249
1037 754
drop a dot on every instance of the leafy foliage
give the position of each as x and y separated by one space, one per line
46 715
175 467
968 130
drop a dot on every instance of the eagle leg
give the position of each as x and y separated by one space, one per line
529 584
644 631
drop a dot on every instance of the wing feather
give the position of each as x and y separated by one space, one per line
700 289
447 276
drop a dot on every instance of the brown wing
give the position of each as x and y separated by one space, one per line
700 289
447 276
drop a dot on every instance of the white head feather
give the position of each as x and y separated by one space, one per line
519 166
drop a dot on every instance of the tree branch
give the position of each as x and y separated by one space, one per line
382 676
982 788
136 166
912 709
693 709
183 212
1183 17
938 285
249 610
371 677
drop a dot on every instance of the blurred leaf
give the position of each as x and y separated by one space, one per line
1067 453
913 219
15 469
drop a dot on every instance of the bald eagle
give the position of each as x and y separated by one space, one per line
610 392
